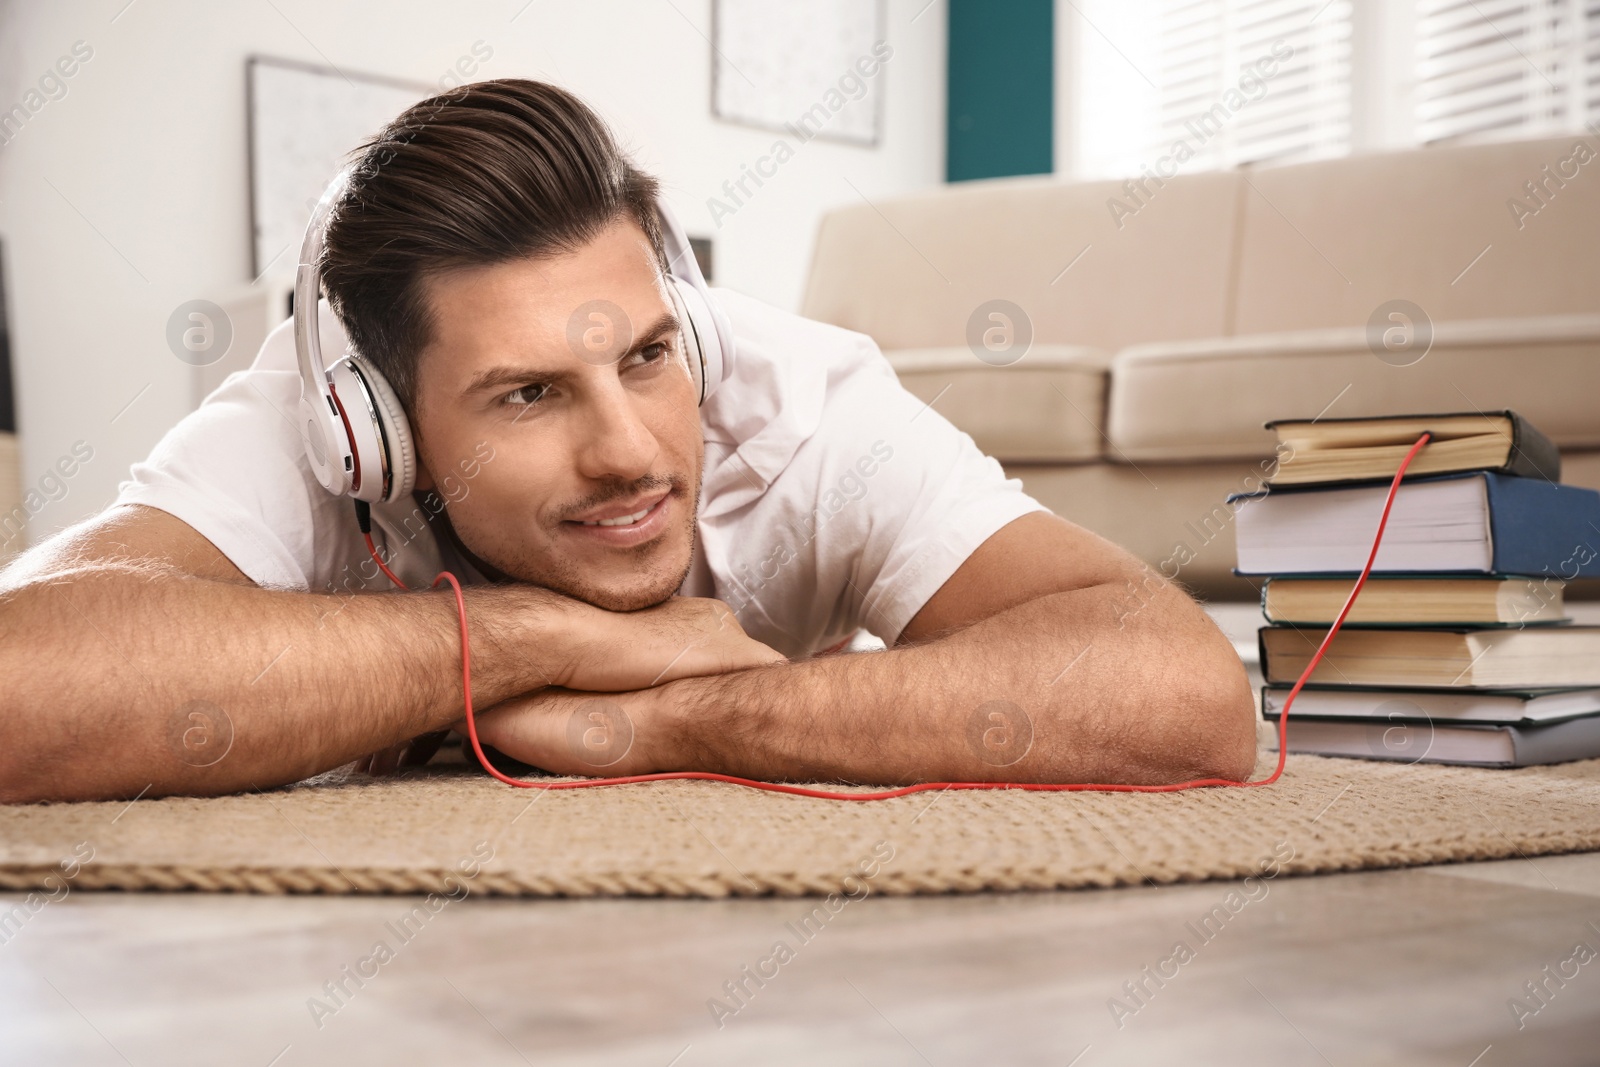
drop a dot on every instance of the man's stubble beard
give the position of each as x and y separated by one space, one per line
563 577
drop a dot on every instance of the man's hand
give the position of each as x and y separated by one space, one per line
562 731
612 652
615 653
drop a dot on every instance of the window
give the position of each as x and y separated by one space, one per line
1223 83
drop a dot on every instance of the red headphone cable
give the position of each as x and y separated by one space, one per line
363 514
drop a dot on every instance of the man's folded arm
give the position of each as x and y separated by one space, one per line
139 659
1049 656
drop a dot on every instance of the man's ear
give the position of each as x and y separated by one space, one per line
424 480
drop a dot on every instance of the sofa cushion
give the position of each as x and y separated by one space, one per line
913 271
1207 400
1326 243
1175 517
1049 405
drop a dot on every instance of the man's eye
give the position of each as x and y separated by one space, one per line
525 396
656 353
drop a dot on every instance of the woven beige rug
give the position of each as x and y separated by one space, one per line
448 831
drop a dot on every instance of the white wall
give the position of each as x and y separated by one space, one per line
129 195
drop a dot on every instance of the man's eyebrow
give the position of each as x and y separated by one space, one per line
498 377
508 374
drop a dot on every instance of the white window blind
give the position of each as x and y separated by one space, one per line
1216 56
1504 69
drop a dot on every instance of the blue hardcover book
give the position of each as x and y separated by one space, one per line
1473 522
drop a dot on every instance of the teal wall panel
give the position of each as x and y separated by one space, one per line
1001 89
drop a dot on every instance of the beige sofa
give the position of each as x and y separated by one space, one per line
1169 322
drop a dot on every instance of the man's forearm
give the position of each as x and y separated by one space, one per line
119 682
1062 688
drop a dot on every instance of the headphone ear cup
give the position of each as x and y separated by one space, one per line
693 347
401 472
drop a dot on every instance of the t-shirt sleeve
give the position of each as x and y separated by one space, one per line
883 503
233 469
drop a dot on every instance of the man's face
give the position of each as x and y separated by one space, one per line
572 369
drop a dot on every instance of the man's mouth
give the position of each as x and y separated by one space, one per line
626 522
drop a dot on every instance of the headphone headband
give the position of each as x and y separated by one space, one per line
714 346
330 447
308 290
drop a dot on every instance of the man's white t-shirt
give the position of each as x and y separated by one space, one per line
832 499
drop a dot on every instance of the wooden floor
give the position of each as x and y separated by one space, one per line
1412 967
1415 967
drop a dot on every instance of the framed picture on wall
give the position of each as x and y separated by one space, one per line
812 69
303 120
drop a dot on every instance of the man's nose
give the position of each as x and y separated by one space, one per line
616 444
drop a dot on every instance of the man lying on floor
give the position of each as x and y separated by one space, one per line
635 567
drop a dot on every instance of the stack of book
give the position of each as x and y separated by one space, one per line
1459 648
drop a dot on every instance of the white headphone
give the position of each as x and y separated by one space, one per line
357 437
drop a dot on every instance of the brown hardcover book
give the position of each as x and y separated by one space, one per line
1500 600
1330 451
1534 657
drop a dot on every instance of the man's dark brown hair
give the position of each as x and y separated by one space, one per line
491 172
